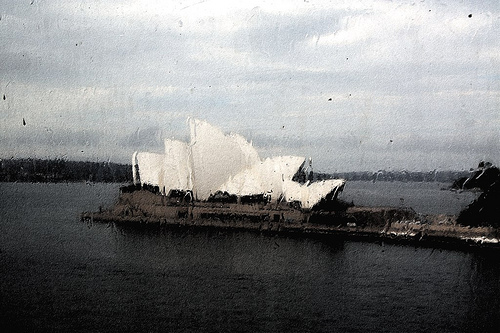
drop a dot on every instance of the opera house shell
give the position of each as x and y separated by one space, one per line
215 162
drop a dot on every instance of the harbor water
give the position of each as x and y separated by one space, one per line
58 274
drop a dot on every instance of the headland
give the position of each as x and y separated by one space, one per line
218 180
144 209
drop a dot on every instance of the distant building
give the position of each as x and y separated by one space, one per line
215 162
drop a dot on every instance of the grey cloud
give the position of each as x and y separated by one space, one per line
486 144
53 137
94 53
147 138
276 34
278 79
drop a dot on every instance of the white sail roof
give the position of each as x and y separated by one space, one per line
175 172
264 176
309 194
214 161
150 167
216 157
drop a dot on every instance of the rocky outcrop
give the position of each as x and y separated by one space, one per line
485 210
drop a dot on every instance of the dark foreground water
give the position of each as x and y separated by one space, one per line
58 274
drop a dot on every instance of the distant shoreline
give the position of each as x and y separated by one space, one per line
60 170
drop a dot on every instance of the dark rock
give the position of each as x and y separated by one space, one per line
485 210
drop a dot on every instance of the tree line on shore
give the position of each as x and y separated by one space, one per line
60 170
444 176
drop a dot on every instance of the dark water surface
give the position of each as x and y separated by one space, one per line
58 274
424 198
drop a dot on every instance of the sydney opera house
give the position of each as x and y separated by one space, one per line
214 162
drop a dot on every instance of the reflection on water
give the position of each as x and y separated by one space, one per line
59 274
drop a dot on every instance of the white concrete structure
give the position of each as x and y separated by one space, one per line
264 176
176 171
214 161
150 165
216 157
309 194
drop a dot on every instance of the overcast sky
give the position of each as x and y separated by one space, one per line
356 85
